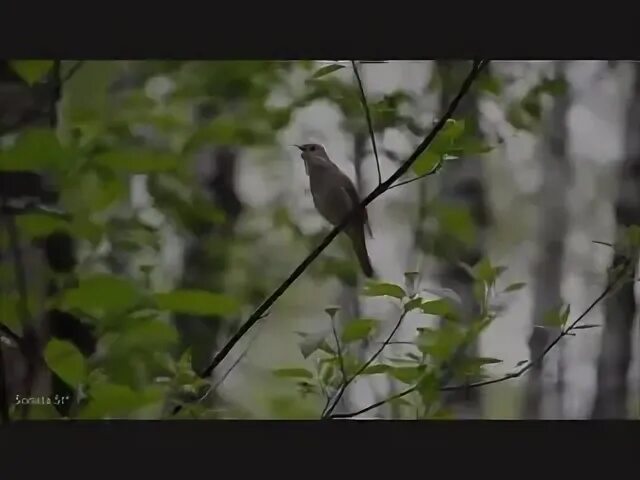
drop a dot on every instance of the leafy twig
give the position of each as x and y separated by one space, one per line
364 366
566 331
383 187
365 105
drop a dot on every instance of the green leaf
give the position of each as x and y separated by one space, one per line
384 289
446 139
293 373
554 86
457 222
532 105
138 160
375 369
484 271
515 286
437 307
490 83
149 334
486 360
37 148
31 71
66 361
197 302
407 374
113 400
470 146
104 292
556 317
426 162
40 225
440 343
586 326
429 389
326 70
516 117
413 304
358 329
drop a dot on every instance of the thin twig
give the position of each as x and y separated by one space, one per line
365 105
339 349
242 355
435 169
72 71
215 387
300 269
364 366
610 286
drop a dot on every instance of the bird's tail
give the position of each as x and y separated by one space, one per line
356 235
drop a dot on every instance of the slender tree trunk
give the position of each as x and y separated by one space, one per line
206 255
24 107
462 187
552 230
620 307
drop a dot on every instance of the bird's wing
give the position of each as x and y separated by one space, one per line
355 198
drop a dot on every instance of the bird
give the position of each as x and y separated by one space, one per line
334 196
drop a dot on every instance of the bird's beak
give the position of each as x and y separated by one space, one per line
299 147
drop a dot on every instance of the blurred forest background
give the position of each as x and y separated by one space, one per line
148 208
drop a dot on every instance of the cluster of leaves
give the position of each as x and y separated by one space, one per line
152 127
432 358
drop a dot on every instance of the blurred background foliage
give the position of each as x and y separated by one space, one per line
151 205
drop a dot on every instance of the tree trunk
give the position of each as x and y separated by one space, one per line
552 230
462 187
620 307
204 266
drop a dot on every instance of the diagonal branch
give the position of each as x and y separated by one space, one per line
365 105
364 366
383 187
566 331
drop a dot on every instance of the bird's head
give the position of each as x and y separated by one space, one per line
310 150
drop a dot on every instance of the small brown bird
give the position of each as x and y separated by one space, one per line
334 196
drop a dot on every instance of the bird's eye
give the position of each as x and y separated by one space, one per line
312 148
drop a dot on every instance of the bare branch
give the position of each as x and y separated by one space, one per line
365 105
565 332
383 187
